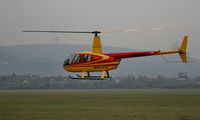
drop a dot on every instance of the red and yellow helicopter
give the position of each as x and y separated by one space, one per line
97 61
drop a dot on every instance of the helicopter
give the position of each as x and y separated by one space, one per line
97 61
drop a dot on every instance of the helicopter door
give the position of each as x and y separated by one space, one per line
86 58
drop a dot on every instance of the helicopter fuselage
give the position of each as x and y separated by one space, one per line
93 62
90 62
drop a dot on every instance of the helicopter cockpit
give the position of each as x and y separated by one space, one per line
77 58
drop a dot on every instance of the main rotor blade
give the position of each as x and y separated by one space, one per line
98 32
137 30
57 31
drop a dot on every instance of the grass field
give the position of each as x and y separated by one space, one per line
100 105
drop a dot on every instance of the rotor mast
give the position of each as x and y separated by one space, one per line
96 48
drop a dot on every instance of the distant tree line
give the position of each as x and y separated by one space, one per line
13 82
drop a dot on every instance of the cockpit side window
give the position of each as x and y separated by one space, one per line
69 60
75 58
66 62
86 58
79 58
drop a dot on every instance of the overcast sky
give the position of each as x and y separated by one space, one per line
182 16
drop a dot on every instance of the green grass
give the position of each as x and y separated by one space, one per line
100 105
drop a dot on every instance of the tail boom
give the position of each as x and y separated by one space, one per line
168 52
181 51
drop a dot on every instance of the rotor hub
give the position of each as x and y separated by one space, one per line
96 33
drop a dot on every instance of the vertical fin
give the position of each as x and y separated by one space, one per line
182 49
97 45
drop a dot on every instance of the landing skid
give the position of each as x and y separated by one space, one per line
90 77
